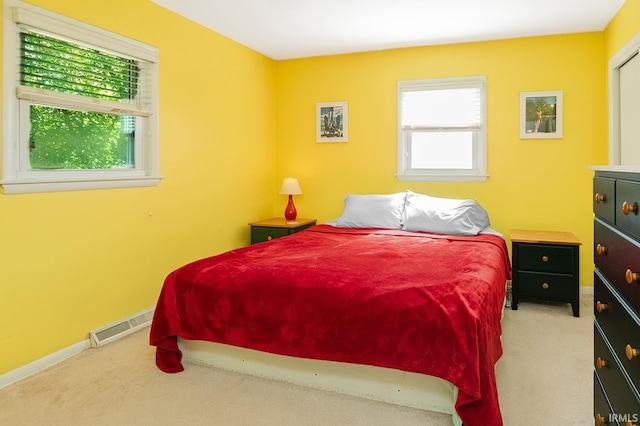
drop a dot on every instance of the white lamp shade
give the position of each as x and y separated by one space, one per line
290 186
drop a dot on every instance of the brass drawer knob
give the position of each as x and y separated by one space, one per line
601 363
601 420
269 238
600 249
545 258
545 285
601 307
600 198
630 276
630 352
628 207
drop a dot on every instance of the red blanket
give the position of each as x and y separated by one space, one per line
417 302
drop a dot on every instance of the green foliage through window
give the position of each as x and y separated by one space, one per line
71 139
68 139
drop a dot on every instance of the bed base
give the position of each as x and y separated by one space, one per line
376 383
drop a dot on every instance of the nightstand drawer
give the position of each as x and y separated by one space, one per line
545 258
268 229
546 286
259 234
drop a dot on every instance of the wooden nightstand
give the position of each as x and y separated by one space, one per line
266 230
546 266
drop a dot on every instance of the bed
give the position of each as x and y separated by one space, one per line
396 296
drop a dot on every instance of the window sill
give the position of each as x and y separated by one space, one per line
442 178
31 186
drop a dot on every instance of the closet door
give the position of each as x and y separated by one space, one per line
630 112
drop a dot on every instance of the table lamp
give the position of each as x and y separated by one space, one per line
290 187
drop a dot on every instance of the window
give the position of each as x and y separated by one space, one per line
441 130
80 107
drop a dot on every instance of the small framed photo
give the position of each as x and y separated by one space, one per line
332 122
541 115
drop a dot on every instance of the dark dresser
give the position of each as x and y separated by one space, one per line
616 254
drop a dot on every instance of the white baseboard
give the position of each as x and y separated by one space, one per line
42 363
586 290
66 353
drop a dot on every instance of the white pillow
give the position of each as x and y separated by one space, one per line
443 215
372 211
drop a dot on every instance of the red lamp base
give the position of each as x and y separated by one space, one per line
290 212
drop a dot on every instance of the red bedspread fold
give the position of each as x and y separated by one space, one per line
417 302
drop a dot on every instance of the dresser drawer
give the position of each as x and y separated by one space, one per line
622 397
629 193
546 286
545 258
614 254
604 200
621 327
601 407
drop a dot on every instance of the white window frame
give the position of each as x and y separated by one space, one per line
17 176
478 173
626 53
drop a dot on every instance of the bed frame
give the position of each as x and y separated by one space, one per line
375 383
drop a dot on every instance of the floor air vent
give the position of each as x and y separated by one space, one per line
121 328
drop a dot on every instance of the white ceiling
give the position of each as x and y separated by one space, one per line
286 29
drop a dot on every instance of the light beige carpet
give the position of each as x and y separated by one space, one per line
544 377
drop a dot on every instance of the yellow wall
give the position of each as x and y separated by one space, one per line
534 184
234 123
71 262
623 27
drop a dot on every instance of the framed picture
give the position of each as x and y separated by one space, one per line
541 115
332 122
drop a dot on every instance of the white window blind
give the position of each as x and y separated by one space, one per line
442 108
57 72
441 129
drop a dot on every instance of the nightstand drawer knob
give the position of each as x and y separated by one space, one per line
545 285
630 352
630 276
600 198
545 258
269 238
600 249
601 307
601 363
629 208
